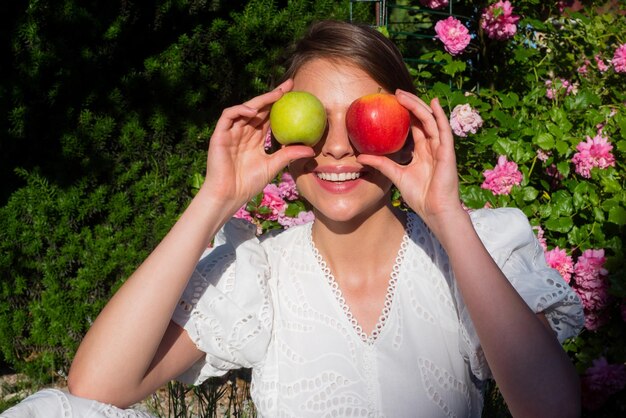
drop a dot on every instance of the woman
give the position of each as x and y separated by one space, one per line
368 310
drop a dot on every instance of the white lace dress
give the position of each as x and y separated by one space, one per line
273 305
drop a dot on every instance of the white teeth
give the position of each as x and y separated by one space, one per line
338 176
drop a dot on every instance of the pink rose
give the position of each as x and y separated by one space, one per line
619 59
541 238
564 4
503 177
543 155
464 120
600 381
594 320
594 152
242 213
498 21
594 300
559 260
602 66
287 187
434 4
453 34
272 201
267 142
582 70
302 218
554 88
589 268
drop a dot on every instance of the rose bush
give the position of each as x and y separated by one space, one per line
550 93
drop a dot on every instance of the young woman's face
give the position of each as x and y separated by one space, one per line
338 187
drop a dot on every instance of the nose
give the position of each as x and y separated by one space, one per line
336 144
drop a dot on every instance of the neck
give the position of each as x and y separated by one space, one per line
362 248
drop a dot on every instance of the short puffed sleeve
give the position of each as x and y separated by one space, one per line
508 236
226 308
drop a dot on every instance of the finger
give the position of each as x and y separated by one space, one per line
386 166
446 152
445 130
420 101
281 158
423 113
232 114
265 100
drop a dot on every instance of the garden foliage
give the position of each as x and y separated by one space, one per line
540 120
106 110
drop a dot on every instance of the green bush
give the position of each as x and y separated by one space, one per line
64 251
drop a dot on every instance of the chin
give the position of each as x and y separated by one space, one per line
348 211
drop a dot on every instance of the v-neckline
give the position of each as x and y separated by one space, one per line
389 296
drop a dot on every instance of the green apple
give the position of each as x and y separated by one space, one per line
298 118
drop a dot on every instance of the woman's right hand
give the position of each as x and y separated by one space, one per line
237 165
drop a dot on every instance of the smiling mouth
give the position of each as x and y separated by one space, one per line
338 177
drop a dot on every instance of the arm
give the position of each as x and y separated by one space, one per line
525 358
520 347
132 347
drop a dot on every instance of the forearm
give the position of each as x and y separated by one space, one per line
524 356
121 344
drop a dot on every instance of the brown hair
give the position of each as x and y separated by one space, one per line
357 44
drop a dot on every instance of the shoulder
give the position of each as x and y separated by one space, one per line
508 224
285 237
501 220
503 231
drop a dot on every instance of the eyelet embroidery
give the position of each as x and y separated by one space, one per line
391 288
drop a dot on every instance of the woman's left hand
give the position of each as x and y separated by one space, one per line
429 182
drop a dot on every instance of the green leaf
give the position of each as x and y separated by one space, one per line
577 236
608 180
617 215
454 67
529 193
197 180
294 208
562 202
620 119
582 100
506 121
509 100
555 130
563 167
562 147
545 211
562 224
383 30
474 196
598 214
544 140
523 54
253 205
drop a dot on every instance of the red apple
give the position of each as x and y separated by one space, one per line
377 124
